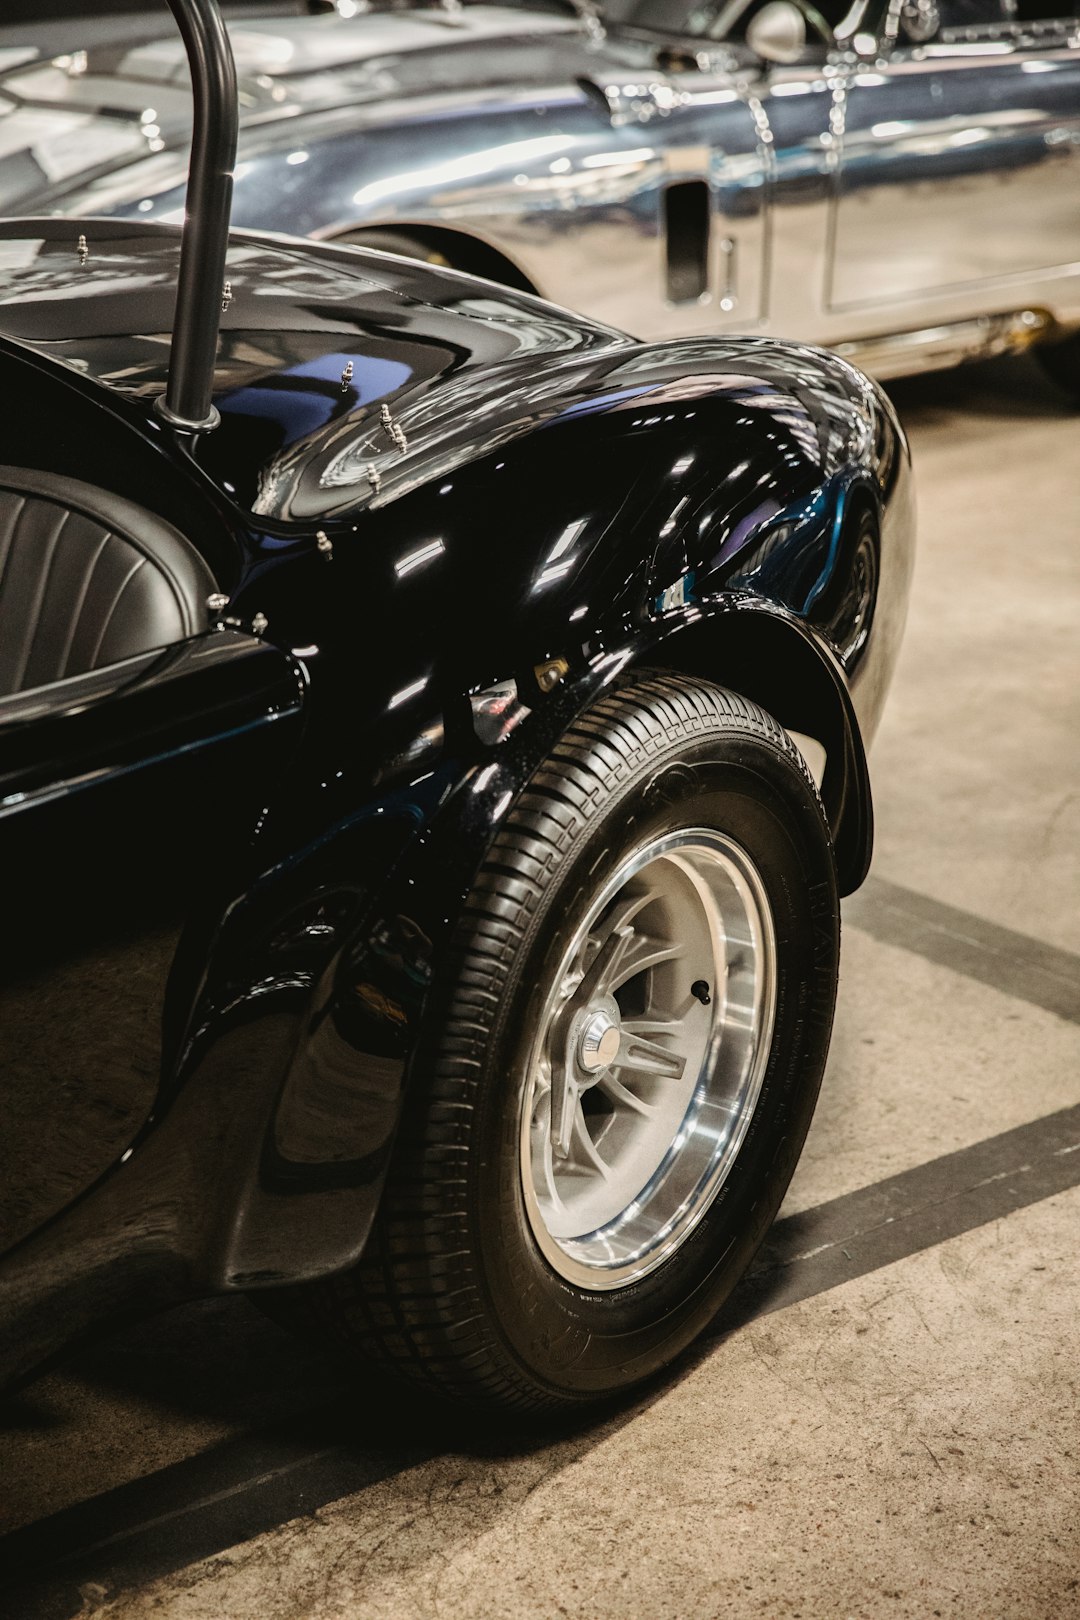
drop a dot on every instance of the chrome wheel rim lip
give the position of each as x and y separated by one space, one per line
666 1165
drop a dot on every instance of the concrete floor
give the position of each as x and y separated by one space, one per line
887 1421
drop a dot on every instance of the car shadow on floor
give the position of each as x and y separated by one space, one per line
192 1433
1010 385
189 1435
164 1415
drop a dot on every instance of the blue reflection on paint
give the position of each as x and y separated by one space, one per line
283 398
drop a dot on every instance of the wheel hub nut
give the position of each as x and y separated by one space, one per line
599 1041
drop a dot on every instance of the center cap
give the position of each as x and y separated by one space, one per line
599 1041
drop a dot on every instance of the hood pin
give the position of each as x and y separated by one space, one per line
394 428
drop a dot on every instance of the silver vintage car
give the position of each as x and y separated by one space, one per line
897 179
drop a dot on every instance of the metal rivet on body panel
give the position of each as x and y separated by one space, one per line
217 602
259 624
395 429
374 478
325 544
346 377
83 250
226 296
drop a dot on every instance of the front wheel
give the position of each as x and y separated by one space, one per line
622 1065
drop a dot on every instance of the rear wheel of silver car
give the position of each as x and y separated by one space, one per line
399 243
621 1066
1061 362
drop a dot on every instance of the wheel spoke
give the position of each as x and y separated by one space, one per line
583 1149
565 1097
653 1025
621 1095
649 1057
548 1181
614 938
641 953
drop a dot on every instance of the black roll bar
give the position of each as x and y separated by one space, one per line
188 398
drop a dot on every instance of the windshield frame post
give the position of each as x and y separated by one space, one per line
188 399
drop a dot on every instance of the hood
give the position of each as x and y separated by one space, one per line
124 112
344 378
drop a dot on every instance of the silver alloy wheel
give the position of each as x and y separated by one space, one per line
648 1059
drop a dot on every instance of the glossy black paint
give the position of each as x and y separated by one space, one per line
569 505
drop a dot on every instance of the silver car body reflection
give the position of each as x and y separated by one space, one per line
909 204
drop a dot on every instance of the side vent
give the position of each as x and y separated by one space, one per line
687 215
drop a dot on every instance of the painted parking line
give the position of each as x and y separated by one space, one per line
233 1492
1015 963
820 1248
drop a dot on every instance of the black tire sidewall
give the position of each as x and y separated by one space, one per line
573 1342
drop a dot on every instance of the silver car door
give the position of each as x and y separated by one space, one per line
794 107
960 168
799 103
680 219
719 136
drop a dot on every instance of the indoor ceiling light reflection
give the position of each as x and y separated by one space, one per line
556 572
464 168
603 160
298 157
406 693
417 559
566 539
674 518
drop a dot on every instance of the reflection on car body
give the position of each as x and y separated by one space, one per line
902 190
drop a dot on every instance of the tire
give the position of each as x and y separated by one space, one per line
485 1279
1061 362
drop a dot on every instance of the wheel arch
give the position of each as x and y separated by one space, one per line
762 652
777 661
464 250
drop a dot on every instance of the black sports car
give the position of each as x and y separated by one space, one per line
417 893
